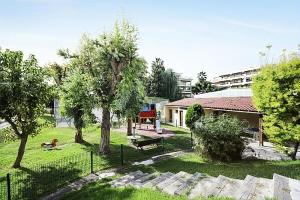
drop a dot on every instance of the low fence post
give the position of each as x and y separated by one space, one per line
8 186
92 162
192 144
163 145
122 159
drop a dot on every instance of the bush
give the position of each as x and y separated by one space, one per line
220 137
193 114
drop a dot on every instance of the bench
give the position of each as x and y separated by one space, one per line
140 144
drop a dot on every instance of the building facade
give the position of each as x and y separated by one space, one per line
234 102
241 79
185 85
239 107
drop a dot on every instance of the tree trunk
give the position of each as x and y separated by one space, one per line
21 151
105 132
129 126
294 153
78 136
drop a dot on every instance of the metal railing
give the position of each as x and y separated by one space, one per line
40 180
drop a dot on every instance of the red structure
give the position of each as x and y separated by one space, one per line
148 112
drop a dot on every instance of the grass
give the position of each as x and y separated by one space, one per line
44 171
35 155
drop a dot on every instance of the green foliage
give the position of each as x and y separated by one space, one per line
170 88
7 135
24 92
220 137
203 86
24 95
163 83
193 114
131 91
77 100
107 59
57 72
276 91
156 79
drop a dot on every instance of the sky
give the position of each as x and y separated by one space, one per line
189 35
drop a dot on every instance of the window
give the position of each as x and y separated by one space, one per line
170 116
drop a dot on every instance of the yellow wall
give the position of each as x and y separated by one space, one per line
251 118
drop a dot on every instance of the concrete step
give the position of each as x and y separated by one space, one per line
256 188
123 181
231 187
169 181
157 180
176 183
202 187
286 188
141 180
189 183
217 187
199 185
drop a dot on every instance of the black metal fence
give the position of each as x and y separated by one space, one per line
41 180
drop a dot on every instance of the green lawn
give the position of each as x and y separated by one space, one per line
44 171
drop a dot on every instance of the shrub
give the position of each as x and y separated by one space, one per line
193 114
220 137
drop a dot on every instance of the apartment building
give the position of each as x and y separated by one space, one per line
241 79
185 85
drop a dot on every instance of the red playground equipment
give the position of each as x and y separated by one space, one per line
148 112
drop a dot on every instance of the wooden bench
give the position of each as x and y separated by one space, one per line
140 144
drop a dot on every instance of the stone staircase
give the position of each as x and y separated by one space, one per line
200 185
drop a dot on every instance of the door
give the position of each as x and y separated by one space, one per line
170 116
181 118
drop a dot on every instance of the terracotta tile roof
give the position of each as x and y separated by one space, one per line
225 103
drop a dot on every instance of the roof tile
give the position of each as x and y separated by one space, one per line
226 103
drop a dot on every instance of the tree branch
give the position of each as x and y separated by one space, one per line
14 126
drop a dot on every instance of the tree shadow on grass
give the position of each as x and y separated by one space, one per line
33 184
101 191
113 159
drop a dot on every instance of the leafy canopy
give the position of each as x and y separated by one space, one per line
193 114
24 92
203 85
131 90
276 93
163 83
77 99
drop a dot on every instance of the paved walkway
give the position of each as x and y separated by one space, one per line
266 152
77 185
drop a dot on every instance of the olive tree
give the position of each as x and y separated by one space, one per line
77 100
131 92
106 58
24 94
276 93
